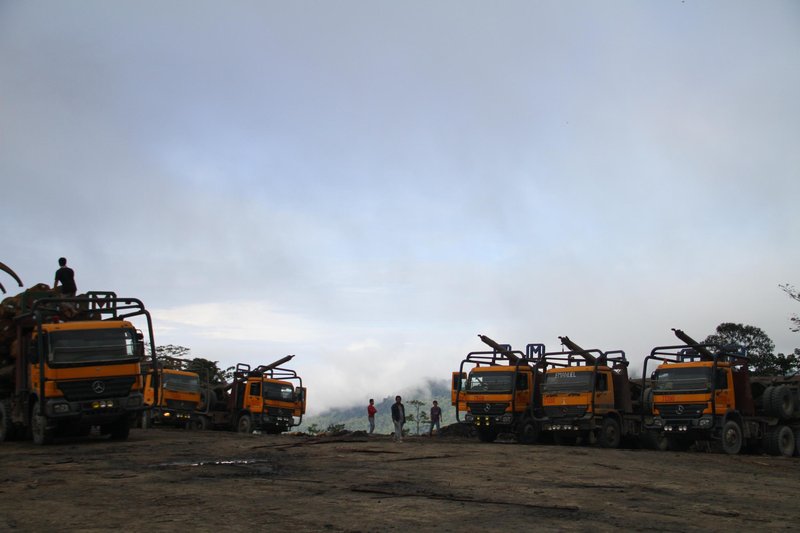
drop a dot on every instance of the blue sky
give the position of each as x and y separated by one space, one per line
369 185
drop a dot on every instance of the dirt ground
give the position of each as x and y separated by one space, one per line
169 480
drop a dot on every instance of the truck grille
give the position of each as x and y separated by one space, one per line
181 405
90 389
490 409
565 411
279 411
681 410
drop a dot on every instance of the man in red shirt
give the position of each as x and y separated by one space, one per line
371 414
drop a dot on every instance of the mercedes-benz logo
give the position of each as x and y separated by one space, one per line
487 408
679 410
98 387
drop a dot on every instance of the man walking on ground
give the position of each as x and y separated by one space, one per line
66 276
371 414
399 418
436 416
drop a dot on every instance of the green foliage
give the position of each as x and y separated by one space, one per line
172 351
334 428
760 348
313 429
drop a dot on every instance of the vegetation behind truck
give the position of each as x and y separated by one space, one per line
69 364
704 392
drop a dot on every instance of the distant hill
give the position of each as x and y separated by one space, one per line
355 418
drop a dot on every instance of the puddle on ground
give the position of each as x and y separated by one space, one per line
229 462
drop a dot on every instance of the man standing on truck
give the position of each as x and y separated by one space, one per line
371 414
66 276
399 418
436 417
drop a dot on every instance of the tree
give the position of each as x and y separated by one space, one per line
794 294
760 348
416 416
208 370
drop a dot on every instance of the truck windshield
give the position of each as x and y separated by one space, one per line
490 381
278 391
181 383
92 346
682 379
555 382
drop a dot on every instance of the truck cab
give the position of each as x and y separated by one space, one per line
177 399
586 395
499 392
77 365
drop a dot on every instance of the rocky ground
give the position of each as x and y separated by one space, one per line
168 480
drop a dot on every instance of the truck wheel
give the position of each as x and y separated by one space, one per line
120 429
732 438
245 424
147 420
7 429
781 402
200 424
610 434
648 400
528 432
487 435
42 434
797 442
780 441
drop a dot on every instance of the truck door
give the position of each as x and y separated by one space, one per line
300 402
459 383
254 400
603 392
722 396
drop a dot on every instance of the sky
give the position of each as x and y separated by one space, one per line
370 185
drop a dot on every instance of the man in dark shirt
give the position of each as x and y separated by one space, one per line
399 418
65 276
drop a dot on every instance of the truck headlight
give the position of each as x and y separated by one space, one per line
468 418
704 423
658 422
61 408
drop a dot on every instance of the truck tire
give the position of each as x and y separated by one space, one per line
648 400
7 429
42 434
245 424
610 434
781 402
201 424
147 420
797 442
780 441
732 437
487 435
528 431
